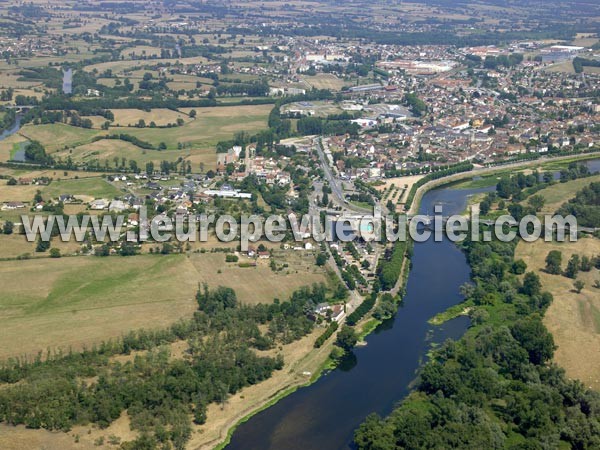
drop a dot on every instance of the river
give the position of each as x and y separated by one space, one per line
19 155
325 414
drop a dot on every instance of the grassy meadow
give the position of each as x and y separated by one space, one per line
76 301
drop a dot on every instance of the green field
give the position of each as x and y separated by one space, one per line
210 126
58 135
199 135
96 187
107 149
80 300
76 301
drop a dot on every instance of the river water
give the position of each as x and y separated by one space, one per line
19 155
325 414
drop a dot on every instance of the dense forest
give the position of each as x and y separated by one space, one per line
496 387
160 392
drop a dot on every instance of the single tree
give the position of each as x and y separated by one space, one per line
531 284
8 227
553 262
346 338
537 202
572 267
578 285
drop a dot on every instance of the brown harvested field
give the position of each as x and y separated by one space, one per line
19 437
11 79
325 81
573 319
230 111
584 40
16 193
160 116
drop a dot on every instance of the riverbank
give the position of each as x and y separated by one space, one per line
321 358
441 182
303 366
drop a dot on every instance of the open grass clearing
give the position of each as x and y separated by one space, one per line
562 67
96 187
259 284
48 303
56 136
325 81
76 301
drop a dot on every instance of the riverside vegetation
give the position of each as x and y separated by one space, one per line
160 393
496 387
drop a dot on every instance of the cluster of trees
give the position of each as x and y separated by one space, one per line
579 63
36 153
389 267
416 105
254 89
386 308
282 128
350 273
127 138
349 29
574 265
332 328
493 62
160 393
495 387
513 186
7 119
315 125
585 206
362 309
7 95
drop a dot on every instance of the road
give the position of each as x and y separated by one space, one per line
334 184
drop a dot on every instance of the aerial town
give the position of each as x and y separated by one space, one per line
162 114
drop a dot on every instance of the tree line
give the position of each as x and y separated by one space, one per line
159 392
496 386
